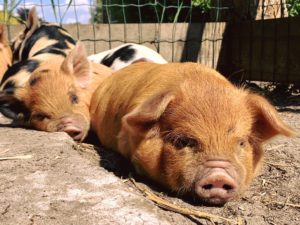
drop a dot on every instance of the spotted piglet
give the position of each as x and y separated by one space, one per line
125 55
57 95
38 43
40 37
186 127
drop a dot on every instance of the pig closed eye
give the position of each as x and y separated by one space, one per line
40 116
183 142
73 98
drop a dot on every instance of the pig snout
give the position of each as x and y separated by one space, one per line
73 128
218 183
74 132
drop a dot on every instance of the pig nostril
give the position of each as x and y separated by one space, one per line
227 187
207 186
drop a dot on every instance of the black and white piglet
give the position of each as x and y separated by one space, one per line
126 54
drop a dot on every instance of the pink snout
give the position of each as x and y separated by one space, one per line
72 128
74 132
218 184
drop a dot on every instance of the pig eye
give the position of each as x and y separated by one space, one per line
183 142
243 143
73 98
40 116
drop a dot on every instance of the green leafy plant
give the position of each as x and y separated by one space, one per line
149 11
8 8
293 7
65 12
53 5
205 5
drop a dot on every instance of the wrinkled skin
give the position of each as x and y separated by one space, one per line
186 127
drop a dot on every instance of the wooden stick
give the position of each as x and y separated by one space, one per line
16 157
4 151
185 211
286 203
275 147
280 165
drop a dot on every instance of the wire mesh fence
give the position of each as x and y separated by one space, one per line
252 39
153 11
116 11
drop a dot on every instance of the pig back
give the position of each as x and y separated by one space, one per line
120 93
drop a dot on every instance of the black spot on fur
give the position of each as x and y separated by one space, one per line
73 98
51 32
28 65
9 87
54 49
125 54
13 109
15 51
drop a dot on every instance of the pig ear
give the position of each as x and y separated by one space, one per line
78 65
267 122
32 22
143 117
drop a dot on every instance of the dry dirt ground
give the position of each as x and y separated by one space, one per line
53 180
